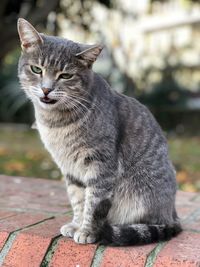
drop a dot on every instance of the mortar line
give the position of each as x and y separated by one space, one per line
192 216
154 253
191 230
3 218
50 251
42 221
195 197
12 236
7 246
98 256
34 224
151 258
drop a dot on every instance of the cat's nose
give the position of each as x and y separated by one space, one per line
46 90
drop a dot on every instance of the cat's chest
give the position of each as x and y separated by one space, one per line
67 149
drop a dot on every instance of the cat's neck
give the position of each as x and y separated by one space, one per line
52 118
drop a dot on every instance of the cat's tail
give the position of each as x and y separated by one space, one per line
137 234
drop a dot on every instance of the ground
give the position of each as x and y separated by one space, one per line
33 210
23 154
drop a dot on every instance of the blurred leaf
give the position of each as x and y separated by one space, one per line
15 165
182 176
3 151
189 187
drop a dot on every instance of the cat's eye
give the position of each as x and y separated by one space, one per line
66 76
36 69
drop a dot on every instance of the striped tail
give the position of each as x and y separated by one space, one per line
137 234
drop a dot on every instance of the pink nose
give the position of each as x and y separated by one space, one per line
46 91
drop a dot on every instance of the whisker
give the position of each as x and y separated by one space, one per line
78 102
75 108
93 104
76 96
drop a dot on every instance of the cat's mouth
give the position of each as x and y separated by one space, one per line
47 100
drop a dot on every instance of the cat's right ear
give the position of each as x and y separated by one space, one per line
29 37
89 55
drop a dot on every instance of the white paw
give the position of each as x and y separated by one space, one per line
84 237
69 229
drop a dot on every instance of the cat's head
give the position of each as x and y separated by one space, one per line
54 72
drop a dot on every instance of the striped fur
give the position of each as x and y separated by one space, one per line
137 234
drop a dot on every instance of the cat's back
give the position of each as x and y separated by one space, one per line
126 110
136 119
140 139
136 131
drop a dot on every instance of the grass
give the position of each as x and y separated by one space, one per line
23 154
185 154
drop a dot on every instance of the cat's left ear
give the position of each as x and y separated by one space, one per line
29 37
89 55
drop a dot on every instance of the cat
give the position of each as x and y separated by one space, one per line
112 152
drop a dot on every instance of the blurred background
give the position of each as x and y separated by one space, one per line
152 52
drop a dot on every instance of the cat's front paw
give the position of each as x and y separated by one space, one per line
84 237
69 229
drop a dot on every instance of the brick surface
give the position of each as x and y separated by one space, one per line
3 238
186 210
70 254
193 225
186 204
185 197
32 202
27 251
5 214
20 221
32 194
50 228
30 246
183 251
196 199
127 256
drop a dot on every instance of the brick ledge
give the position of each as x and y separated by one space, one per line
32 211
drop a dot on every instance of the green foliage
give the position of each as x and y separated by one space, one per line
23 154
165 95
185 154
14 106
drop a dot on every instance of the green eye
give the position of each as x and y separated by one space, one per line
36 69
66 76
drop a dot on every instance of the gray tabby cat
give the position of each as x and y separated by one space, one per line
120 181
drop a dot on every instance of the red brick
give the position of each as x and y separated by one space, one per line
50 228
5 214
183 251
185 204
70 254
30 246
195 225
20 221
185 211
197 199
127 256
33 194
32 250
3 238
185 197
